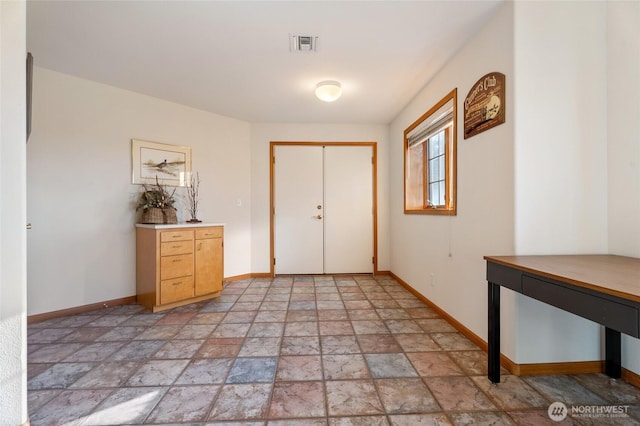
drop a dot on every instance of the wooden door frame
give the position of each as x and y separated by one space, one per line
374 185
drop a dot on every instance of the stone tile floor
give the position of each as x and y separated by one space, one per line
324 350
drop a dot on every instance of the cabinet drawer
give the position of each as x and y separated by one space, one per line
176 289
176 266
166 236
209 233
176 247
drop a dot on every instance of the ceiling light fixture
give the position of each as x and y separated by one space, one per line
328 91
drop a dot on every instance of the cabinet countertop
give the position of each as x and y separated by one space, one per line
177 225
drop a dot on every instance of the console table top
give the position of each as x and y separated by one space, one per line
615 275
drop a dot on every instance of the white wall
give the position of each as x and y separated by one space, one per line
81 201
13 349
561 113
560 162
554 178
623 131
623 136
452 248
261 136
578 162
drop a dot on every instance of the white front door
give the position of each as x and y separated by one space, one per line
348 239
323 209
298 222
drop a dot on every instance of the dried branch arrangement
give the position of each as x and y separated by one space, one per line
193 195
156 195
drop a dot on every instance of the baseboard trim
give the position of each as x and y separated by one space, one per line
238 277
630 377
580 367
577 367
270 275
32 319
261 275
451 320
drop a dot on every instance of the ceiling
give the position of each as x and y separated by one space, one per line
233 58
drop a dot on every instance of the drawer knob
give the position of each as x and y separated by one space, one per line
177 283
176 260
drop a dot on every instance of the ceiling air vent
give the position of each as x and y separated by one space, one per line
303 43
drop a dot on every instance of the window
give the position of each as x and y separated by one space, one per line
430 160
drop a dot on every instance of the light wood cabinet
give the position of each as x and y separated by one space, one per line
208 275
176 265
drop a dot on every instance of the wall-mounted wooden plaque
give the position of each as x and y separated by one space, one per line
484 106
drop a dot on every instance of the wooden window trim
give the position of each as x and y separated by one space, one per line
450 207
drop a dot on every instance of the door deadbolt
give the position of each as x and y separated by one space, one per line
319 207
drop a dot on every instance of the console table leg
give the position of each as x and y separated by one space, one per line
493 352
613 353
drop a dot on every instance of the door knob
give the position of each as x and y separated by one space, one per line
318 217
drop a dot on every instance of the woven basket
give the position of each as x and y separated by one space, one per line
157 215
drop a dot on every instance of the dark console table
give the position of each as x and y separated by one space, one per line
601 288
